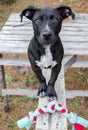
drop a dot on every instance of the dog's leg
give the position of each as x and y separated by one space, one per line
43 86
50 89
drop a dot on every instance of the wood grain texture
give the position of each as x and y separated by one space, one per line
54 121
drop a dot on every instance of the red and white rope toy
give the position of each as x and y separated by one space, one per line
78 123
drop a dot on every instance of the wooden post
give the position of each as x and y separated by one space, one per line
3 84
54 121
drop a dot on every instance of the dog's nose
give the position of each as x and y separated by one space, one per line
47 35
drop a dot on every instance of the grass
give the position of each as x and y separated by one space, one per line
11 79
76 103
21 99
29 79
20 107
76 79
5 11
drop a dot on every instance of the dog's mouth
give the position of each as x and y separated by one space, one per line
49 39
46 41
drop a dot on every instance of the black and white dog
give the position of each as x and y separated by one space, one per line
45 49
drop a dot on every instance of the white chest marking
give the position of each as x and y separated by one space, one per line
47 59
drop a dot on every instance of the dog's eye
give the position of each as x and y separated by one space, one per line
56 19
53 18
37 20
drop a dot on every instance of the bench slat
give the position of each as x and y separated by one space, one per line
73 38
24 44
14 62
18 27
21 92
80 64
26 20
68 61
64 24
76 93
16 37
30 28
75 45
73 51
28 37
75 29
33 92
30 32
79 17
16 32
74 24
25 62
23 50
13 50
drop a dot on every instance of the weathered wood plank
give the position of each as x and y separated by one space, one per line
76 93
80 64
68 61
16 16
28 37
30 27
25 62
12 50
18 27
45 122
16 32
74 24
14 62
74 29
73 38
16 37
3 86
77 14
18 24
28 32
79 17
18 20
75 45
29 23
26 20
24 44
73 51
19 44
33 93
18 50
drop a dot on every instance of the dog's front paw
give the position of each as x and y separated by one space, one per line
51 94
42 90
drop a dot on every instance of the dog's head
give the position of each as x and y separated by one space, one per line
47 21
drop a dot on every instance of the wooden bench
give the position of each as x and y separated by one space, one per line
14 39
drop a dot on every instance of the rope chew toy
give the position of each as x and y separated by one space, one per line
78 123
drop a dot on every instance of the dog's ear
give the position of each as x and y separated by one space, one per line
28 12
65 11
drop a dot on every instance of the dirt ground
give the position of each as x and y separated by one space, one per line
74 78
